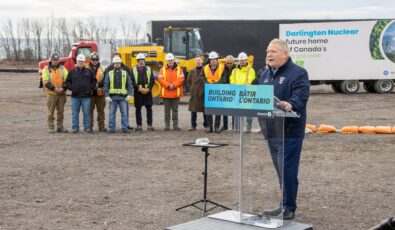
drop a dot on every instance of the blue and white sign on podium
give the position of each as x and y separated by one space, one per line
239 100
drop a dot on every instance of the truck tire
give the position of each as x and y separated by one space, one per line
384 86
349 86
369 87
336 87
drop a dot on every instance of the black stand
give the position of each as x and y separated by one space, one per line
204 200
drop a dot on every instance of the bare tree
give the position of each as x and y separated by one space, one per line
136 32
9 29
78 31
28 51
5 42
50 34
37 29
106 32
127 30
64 35
18 40
23 39
92 29
59 38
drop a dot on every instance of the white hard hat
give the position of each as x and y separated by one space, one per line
169 57
140 56
213 55
116 59
242 56
81 57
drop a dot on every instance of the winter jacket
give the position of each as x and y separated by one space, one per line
228 73
140 79
291 83
171 75
81 82
195 84
117 84
242 76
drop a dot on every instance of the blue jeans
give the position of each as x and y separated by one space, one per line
127 111
113 110
76 104
286 161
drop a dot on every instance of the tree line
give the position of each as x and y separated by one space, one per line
35 39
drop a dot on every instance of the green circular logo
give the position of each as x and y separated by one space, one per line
388 42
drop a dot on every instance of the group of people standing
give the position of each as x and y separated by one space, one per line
92 87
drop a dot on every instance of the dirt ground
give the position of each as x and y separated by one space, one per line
135 181
13 64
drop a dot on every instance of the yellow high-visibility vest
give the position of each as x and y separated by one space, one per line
122 90
136 75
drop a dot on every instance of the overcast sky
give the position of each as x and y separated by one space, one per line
145 10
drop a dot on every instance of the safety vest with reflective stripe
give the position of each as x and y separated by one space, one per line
165 92
242 76
56 77
119 91
213 78
136 75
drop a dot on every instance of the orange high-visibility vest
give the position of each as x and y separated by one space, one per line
99 74
213 78
56 77
99 77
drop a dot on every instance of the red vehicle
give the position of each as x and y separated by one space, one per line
81 47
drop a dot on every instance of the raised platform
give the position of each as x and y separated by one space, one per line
214 224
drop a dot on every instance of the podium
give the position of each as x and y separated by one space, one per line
251 201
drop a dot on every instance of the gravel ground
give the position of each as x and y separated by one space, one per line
135 181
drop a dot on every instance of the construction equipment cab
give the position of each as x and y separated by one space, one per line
184 43
81 47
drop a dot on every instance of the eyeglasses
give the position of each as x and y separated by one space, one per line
95 59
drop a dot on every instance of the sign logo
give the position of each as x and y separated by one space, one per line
282 79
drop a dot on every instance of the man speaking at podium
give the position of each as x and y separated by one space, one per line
291 86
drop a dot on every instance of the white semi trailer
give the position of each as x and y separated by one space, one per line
345 54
